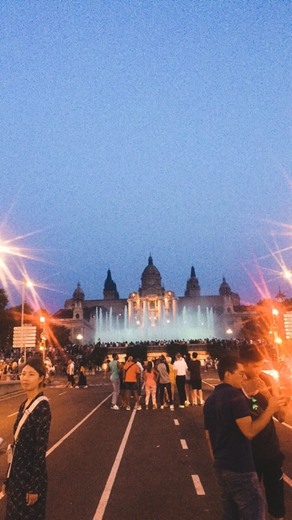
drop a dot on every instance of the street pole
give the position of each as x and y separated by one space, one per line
22 320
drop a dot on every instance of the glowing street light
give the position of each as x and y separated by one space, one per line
79 337
287 273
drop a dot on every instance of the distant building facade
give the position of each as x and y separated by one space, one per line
152 300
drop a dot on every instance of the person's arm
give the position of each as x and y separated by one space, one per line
209 445
174 370
267 386
250 428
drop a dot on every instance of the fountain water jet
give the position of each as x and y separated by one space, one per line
190 324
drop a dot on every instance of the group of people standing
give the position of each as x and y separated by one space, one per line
158 379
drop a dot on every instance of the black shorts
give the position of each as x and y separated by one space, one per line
197 384
131 386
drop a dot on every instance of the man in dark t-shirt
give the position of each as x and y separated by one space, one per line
229 429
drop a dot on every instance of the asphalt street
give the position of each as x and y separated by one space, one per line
119 465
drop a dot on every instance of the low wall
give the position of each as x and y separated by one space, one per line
7 387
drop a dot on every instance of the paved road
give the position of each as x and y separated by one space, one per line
146 465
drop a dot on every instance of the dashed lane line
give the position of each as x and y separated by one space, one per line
198 485
176 422
184 444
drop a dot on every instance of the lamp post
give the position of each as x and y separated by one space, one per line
43 337
25 283
277 339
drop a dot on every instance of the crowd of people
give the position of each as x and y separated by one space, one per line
157 380
238 418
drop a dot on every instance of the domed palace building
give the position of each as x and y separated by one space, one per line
152 313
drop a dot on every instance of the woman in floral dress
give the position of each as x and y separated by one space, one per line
26 486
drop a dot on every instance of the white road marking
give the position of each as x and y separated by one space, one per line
176 422
287 425
76 427
184 444
287 480
62 393
73 430
21 392
209 384
198 485
111 479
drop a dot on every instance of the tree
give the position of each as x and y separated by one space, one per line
3 299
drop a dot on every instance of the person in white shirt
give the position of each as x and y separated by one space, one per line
180 368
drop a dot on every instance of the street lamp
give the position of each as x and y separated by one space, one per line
43 337
80 338
277 339
287 273
25 283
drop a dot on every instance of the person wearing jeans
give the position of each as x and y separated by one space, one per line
114 367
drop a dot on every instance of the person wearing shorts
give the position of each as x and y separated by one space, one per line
131 374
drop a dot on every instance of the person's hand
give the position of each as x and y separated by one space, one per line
31 498
3 489
275 404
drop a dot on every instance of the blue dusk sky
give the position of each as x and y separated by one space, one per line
147 126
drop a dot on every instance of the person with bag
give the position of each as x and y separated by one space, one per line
26 483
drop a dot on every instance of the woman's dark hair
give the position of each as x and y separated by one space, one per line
251 355
163 360
38 364
149 366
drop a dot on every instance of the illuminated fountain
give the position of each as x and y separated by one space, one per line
190 324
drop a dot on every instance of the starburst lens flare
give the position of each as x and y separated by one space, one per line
12 258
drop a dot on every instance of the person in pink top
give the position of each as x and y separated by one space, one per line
150 380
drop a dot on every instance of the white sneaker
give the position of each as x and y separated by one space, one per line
162 407
181 406
128 408
187 403
115 407
171 407
138 407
